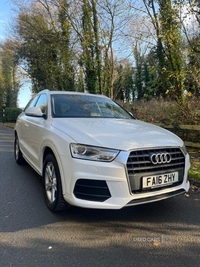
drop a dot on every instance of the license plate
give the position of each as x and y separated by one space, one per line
160 180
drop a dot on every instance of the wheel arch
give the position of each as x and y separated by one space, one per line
46 151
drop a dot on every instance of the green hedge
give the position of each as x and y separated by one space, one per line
11 114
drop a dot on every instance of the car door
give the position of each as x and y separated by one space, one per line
23 127
35 130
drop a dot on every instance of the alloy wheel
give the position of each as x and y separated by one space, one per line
50 182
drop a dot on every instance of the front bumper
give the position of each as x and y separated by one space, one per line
111 179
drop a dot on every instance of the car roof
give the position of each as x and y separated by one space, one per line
70 93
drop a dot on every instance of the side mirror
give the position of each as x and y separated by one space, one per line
34 112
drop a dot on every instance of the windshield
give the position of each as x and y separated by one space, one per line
66 105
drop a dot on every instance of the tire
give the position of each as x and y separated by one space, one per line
52 185
17 152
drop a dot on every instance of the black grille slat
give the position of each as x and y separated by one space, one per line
145 168
148 161
139 164
92 197
91 186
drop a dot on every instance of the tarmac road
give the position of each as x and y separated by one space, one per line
162 234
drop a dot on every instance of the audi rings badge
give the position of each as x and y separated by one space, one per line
161 158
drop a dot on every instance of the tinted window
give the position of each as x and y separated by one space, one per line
86 106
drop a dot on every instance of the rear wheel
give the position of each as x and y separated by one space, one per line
52 185
17 152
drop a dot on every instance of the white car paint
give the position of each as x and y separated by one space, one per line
36 134
119 133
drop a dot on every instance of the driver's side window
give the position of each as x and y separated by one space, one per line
31 103
42 103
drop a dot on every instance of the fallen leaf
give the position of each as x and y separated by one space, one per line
156 243
194 188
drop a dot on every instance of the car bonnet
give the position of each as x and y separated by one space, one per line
122 134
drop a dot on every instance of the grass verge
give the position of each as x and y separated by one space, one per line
194 172
8 124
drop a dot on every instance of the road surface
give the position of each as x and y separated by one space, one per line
163 234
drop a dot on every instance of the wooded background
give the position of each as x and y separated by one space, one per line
128 50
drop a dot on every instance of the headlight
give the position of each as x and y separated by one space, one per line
93 153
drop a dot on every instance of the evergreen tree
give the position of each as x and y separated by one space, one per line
45 49
89 52
9 84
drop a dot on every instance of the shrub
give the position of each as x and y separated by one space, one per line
160 111
11 114
166 112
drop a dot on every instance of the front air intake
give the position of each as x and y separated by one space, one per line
91 190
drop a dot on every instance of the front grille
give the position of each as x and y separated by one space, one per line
92 190
139 164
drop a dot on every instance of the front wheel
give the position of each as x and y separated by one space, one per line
52 185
